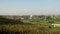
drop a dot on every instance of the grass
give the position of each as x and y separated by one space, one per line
23 28
28 29
31 26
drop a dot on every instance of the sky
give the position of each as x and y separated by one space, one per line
29 7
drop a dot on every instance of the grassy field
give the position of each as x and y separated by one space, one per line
29 26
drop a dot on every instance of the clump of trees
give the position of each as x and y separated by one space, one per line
9 21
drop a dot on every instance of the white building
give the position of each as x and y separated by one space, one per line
30 17
56 25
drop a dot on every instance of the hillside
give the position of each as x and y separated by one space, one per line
9 21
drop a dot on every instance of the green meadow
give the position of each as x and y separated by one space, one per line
35 25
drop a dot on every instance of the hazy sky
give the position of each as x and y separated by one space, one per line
29 7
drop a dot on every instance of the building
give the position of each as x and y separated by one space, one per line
56 25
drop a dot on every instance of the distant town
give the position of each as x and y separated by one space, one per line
29 16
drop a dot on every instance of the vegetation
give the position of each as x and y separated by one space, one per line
29 26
